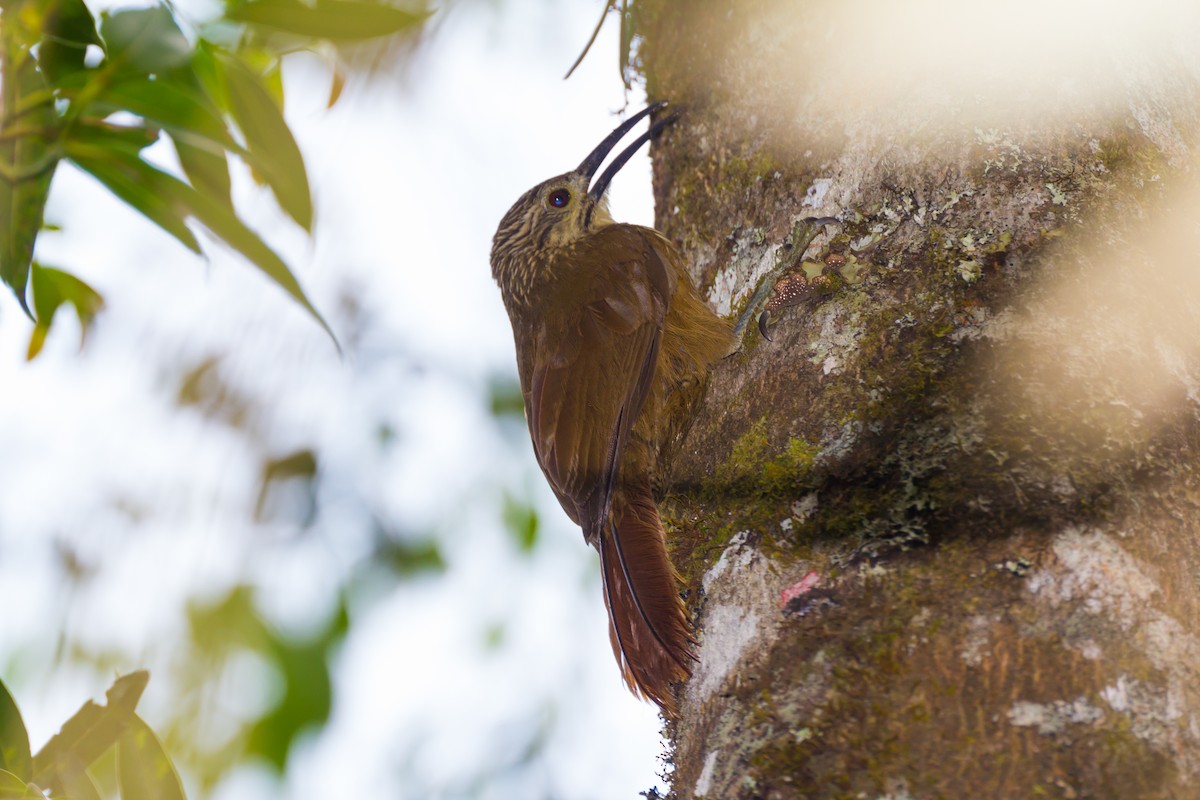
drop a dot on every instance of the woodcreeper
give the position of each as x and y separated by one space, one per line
610 334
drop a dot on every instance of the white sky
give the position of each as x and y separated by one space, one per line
409 185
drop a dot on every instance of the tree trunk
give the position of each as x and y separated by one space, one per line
940 536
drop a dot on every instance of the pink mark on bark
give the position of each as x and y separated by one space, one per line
801 587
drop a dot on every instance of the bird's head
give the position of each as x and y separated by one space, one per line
561 210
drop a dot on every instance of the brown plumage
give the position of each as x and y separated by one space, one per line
610 334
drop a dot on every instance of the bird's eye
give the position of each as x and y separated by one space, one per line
559 198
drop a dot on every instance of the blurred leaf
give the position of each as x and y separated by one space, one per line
274 149
137 183
226 624
494 635
68 30
175 106
327 19
336 86
385 434
144 770
165 200
23 199
208 74
73 778
302 465
146 39
13 788
521 519
205 387
90 732
308 690
505 396
406 559
51 289
206 168
15 755
222 221
105 136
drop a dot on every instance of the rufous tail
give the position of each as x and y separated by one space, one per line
647 623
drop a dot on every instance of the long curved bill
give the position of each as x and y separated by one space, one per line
595 158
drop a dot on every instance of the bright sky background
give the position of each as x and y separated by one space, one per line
410 182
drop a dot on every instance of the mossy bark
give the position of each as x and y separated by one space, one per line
941 535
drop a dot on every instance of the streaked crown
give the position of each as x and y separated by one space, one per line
558 212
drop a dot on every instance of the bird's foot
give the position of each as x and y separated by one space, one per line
787 284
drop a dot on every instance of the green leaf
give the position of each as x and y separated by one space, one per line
12 787
206 167
89 733
144 770
30 165
14 740
166 201
274 149
505 398
307 687
147 40
138 184
51 289
73 778
347 20
521 519
127 139
222 221
408 558
174 106
206 73
69 29
298 466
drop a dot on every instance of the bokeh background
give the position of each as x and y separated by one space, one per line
345 574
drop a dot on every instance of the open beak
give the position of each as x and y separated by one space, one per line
595 158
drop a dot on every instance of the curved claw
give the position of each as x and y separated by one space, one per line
803 232
764 320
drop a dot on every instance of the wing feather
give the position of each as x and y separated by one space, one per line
596 349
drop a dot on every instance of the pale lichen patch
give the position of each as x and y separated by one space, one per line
738 590
705 781
1093 578
1097 572
978 636
1053 719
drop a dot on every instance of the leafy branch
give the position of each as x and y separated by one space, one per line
64 79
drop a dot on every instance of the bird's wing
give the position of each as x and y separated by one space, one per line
596 359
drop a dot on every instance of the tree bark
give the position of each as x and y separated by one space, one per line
940 536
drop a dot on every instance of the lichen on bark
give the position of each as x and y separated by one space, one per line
940 535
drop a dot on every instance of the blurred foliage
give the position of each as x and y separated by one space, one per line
60 769
99 95
298 469
241 684
203 387
403 558
233 624
97 91
521 520
505 398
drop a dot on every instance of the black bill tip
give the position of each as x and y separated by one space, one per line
598 188
595 158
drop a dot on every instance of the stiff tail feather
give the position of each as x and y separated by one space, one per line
648 625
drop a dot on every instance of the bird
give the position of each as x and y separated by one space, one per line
612 339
